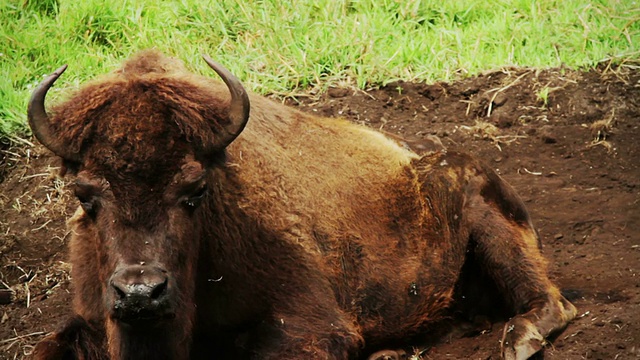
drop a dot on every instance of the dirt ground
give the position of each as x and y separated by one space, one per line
568 141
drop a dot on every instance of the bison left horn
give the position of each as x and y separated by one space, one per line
39 120
238 108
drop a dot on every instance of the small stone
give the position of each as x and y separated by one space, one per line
443 133
547 135
338 92
504 121
549 139
558 236
500 99
6 296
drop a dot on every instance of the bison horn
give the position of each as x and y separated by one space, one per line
238 108
39 120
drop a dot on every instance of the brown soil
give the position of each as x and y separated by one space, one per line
572 156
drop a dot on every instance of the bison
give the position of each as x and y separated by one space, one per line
213 223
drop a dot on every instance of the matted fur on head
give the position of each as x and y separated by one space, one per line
147 111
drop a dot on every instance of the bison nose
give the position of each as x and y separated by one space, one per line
140 293
139 282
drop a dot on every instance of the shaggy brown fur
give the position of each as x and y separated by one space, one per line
306 238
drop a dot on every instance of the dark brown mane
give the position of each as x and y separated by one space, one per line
163 102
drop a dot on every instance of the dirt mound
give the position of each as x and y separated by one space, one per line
568 141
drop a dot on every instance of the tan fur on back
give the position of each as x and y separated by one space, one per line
326 169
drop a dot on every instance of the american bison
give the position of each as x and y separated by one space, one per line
295 237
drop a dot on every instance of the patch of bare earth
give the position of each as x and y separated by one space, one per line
568 141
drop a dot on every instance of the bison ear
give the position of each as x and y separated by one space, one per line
238 113
39 121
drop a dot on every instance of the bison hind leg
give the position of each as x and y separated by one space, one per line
76 339
507 248
526 334
510 255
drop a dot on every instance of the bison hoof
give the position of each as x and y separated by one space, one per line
388 355
521 339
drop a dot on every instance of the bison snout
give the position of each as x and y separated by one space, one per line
140 293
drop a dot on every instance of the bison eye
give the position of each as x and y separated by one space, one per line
196 198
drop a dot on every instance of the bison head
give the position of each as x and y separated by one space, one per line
141 142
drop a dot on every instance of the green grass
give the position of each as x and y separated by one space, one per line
280 47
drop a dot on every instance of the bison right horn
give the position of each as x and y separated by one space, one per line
238 108
39 120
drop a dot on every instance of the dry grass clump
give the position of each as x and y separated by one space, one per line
601 130
487 131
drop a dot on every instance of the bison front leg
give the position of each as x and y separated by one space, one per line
507 248
76 339
293 339
306 332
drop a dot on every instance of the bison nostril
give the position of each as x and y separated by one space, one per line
159 289
119 291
